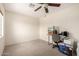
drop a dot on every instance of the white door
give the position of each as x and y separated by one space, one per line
1 34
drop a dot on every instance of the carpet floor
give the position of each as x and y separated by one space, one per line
31 48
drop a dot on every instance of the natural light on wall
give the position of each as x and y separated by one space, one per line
1 25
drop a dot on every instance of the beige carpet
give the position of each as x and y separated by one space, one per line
31 48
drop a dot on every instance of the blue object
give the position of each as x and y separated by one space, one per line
63 49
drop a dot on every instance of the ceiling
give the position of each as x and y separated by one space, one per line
26 9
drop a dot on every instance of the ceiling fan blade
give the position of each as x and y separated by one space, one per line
46 9
38 8
54 4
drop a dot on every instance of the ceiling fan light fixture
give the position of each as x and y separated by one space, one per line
45 6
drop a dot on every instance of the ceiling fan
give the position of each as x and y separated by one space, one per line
45 6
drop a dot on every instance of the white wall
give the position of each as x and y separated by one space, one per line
2 38
65 19
20 28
